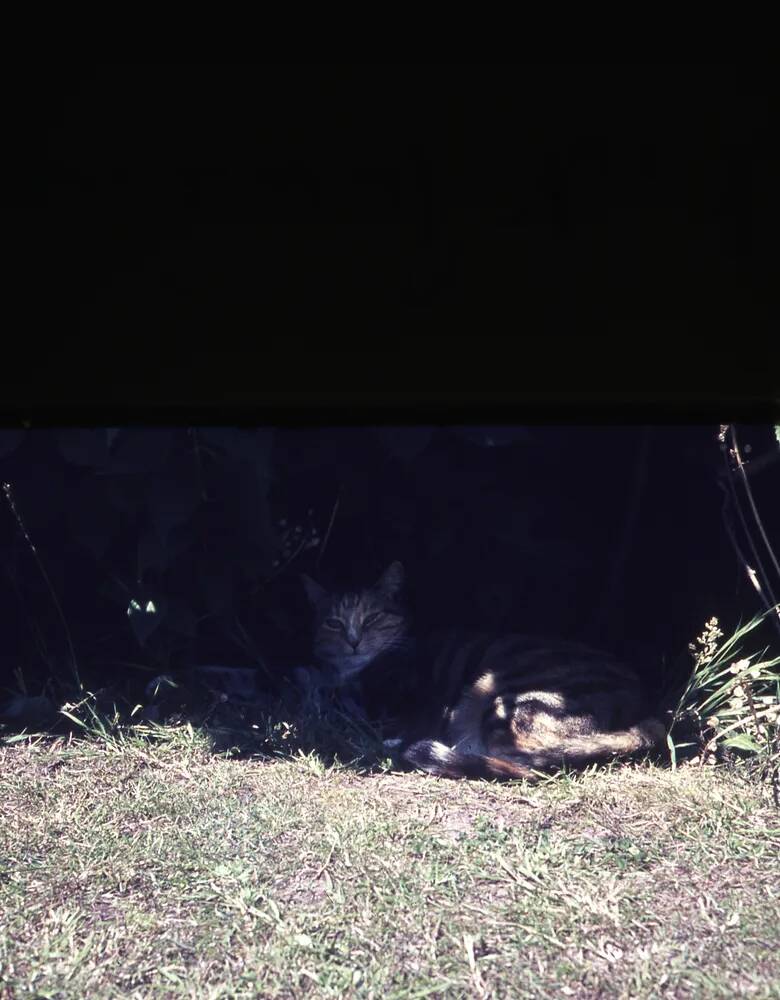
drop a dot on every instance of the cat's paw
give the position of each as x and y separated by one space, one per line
393 744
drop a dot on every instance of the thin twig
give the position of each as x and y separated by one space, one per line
193 431
770 601
728 523
283 566
330 528
749 695
7 489
38 637
261 584
756 465
753 507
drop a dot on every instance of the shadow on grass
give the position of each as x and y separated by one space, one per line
287 723
290 723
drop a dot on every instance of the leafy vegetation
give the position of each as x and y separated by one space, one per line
731 701
163 527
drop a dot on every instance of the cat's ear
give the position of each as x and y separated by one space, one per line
314 591
392 580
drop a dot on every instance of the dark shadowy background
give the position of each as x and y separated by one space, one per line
160 549
225 234
382 245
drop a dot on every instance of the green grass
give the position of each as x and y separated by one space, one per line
732 700
132 869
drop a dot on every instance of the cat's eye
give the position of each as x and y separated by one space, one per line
370 619
333 623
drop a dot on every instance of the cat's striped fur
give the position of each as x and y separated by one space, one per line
479 705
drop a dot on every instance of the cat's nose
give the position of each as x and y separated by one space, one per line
354 640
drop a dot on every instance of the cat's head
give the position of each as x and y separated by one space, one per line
353 628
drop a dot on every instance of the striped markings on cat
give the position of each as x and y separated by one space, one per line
484 706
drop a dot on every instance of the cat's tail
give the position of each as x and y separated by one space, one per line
527 762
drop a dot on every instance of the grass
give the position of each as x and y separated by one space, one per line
131 868
731 701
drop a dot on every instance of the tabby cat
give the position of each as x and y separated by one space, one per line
471 705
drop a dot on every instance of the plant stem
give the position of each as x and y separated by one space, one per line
7 489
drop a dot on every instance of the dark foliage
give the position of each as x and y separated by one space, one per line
141 551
